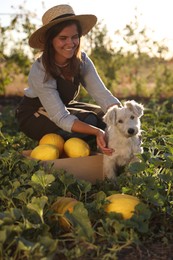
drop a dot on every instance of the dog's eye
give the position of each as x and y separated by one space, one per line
132 117
120 121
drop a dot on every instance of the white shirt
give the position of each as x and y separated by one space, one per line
49 96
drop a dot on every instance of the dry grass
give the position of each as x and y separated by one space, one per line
16 88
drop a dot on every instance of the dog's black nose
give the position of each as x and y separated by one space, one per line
131 131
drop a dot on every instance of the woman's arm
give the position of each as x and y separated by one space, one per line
95 86
81 127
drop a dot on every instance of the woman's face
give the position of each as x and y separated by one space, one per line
66 43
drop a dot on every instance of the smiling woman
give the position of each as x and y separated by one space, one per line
49 104
65 44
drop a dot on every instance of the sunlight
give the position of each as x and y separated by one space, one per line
154 15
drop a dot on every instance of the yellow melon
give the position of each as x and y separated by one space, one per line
45 152
54 139
76 147
61 206
123 204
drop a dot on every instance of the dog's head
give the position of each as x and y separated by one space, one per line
126 119
135 107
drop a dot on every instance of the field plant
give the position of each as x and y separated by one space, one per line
28 189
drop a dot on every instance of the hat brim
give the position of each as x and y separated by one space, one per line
87 22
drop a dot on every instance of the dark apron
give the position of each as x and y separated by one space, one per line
34 121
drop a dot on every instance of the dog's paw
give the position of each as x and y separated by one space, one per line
110 175
135 159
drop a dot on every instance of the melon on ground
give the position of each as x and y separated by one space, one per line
123 204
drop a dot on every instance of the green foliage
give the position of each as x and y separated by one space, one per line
136 65
28 190
15 58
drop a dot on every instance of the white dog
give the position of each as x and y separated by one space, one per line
123 135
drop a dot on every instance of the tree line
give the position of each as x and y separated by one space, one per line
136 67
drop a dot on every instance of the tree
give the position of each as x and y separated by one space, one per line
15 55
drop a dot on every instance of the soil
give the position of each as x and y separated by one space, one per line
9 101
157 251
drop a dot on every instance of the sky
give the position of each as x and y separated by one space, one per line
156 15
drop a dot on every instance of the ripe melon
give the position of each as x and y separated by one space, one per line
76 147
122 203
45 152
61 206
54 139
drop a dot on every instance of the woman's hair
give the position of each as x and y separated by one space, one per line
49 53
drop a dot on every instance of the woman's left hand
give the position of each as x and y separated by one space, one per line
101 142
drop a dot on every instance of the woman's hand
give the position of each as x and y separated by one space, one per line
81 127
101 142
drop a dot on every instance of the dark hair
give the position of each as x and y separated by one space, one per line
49 52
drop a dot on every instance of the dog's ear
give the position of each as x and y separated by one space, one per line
110 117
135 107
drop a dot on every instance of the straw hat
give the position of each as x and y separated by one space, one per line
56 15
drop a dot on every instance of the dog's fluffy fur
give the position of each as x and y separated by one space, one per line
123 135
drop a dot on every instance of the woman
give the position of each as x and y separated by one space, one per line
49 104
